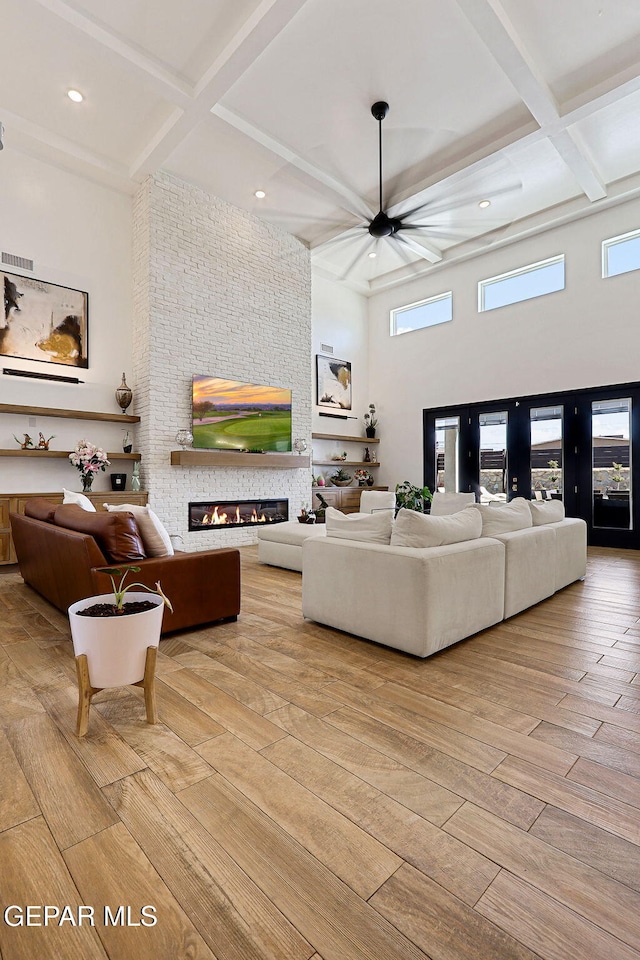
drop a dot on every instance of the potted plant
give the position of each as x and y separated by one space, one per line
306 515
363 477
412 498
617 476
554 476
115 642
370 421
341 478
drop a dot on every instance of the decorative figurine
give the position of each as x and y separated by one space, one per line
124 395
135 477
24 444
367 456
44 444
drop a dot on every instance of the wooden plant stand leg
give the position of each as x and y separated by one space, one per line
148 683
85 693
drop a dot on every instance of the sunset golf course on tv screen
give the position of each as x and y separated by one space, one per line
230 415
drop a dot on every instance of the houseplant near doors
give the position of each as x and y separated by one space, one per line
113 646
412 498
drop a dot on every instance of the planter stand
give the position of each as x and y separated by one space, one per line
86 691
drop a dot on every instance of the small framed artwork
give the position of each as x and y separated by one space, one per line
44 321
333 383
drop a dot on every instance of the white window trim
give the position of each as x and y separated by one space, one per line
612 242
521 271
412 306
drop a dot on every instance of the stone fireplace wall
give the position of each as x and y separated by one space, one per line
218 292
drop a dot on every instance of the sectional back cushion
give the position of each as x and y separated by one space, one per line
368 527
40 509
116 534
444 504
546 511
413 529
374 500
500 518
154 536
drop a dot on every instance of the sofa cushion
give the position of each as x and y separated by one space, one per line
40 509
369 527
500 518
444 504
546 511
413 529
116 534
70 496
154 536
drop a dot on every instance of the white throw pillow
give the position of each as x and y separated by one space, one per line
78 498
155 538
546 511
500 518
421 530
369 527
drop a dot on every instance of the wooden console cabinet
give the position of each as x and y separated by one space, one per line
15 503
346 499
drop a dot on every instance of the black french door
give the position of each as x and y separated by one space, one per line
575 446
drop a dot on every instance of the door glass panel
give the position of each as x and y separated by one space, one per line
447 453
493 456
611 463
546 453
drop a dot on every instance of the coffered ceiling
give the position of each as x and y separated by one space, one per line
532 106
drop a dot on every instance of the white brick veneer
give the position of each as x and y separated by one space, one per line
219 292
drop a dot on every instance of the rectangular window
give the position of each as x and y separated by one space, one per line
621 254
426 313
547 276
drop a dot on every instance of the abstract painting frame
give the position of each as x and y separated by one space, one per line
44 321
333 383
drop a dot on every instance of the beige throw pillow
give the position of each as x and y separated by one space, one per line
368 527
70 496
154 536
500 518
413 529
546 511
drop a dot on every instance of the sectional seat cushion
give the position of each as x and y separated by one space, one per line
116 534
155 538
498 518
70 496
40 509
367 527
546 511
413 529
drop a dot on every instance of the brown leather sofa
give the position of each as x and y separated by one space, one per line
60 551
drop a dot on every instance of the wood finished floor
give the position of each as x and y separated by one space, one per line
310 795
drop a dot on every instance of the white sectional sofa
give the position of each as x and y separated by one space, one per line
481 565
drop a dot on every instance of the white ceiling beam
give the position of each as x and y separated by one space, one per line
168 83
323 181
574 152
256 34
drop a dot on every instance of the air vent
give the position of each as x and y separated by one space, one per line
11 260
326 348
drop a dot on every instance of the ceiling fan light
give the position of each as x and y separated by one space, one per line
484 204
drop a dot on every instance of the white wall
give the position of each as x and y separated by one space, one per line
78 235
586 335
340 321
217 292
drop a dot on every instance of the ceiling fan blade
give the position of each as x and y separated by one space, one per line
401 250
354 263
431 208
348 233
426 251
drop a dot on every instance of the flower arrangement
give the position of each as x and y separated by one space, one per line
88 459
363 477
370 419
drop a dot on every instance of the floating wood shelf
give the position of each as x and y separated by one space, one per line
345 463
66 414
337 436
224 458
60 454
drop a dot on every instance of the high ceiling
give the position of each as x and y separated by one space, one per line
532 106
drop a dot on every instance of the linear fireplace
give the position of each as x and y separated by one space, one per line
217 514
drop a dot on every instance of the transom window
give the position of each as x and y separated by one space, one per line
621 254
425 313
535 280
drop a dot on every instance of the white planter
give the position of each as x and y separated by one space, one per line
116 647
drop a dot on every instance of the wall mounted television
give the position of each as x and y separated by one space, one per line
232 415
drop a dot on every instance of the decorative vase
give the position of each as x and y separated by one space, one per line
184 438
87 482
370 432
370 482
135 477
127 445
124 395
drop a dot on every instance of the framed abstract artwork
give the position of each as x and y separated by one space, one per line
44 321
333 383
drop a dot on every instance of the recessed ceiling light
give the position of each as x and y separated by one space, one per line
484 204
373 255
75 95
260 194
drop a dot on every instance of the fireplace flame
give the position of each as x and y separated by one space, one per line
217 519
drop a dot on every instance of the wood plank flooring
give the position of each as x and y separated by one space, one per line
308 795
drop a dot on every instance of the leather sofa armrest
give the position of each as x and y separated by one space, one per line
202 587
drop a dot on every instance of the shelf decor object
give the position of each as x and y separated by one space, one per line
124 395
88 459
299 445
184 438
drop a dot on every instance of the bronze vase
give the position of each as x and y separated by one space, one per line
124 395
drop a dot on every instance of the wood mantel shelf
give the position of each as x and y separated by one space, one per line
224 458
66 414
336 436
